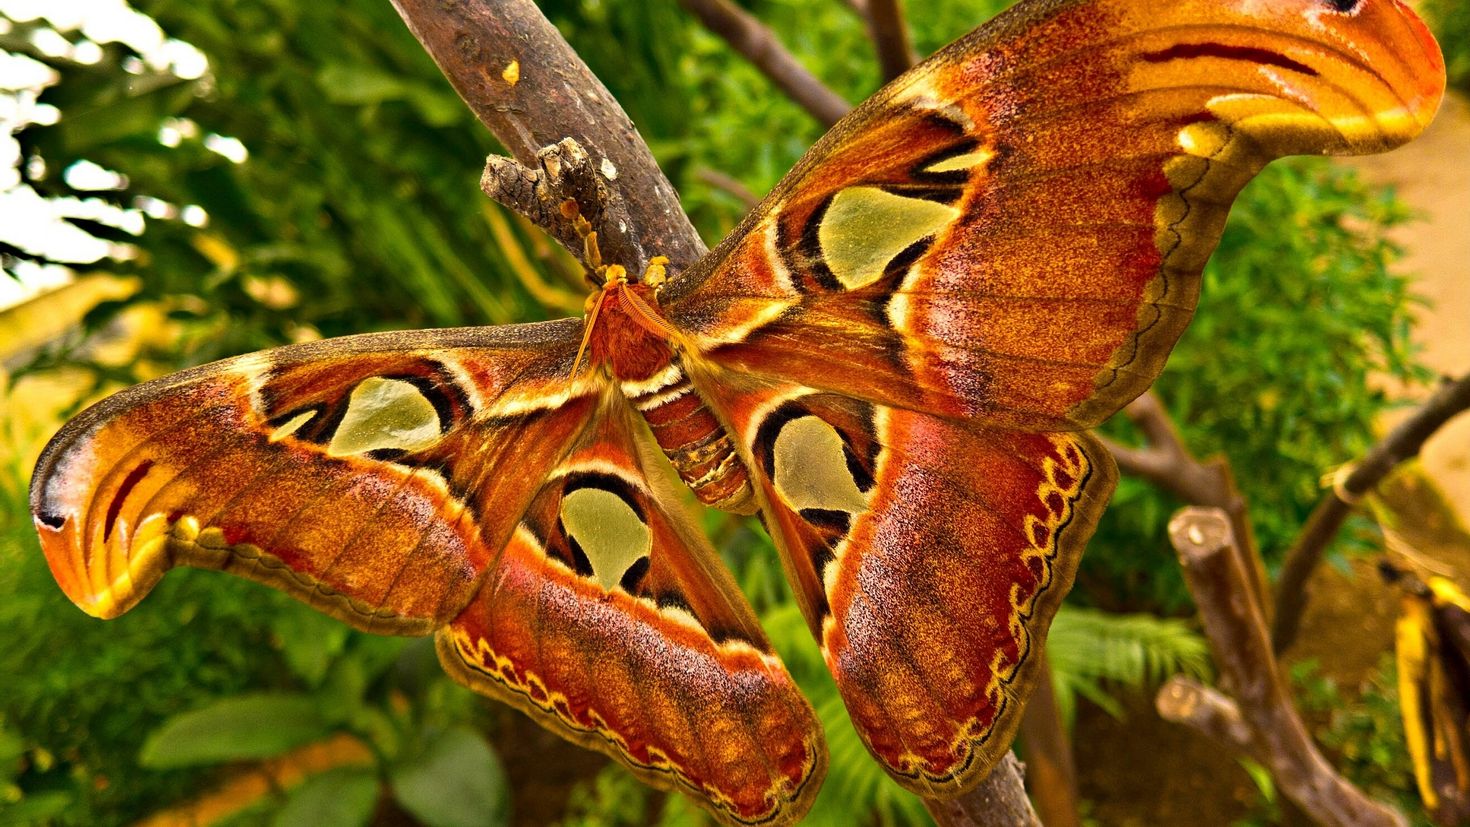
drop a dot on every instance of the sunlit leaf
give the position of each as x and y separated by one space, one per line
243 727
457 781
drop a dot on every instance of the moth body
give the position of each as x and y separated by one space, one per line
639 352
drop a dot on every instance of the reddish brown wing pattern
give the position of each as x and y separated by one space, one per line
460 480
929 556
644 651
1005 241
359 474
1015 229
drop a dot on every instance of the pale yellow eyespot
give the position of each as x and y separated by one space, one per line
385 414
865 227
811 468
608 531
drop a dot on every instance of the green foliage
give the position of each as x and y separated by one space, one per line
1093 653
336 798
1364 732
455 781
238 728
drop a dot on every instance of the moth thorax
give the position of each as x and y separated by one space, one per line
695 442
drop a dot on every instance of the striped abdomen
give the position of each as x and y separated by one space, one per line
694 441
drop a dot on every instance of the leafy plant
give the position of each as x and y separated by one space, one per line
1363 729
1093 653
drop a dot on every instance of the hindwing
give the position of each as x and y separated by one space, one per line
459 481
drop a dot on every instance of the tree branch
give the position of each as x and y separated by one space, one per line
1167 463
1242 649
759 45
1208 711
523 81
890 37
1401 443
999 801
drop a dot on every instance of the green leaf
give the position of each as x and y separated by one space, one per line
359 84
239 728
40 808
343 797
457 782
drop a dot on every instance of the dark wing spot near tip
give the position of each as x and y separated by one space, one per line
129 482
1343 5
1251 54
50 520
632 579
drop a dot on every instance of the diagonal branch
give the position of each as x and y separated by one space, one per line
1401 443
524 82
759 45
1242 648
1166 462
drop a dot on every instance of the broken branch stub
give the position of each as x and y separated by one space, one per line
566 173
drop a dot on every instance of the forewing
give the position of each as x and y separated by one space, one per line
1015 229
929 557
374 477
610 619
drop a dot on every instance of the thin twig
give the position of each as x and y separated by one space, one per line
890 37
1401 443
1208 711
728 184
526 84
759 45
1241 648
550 296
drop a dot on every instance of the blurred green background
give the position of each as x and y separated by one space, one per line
320 179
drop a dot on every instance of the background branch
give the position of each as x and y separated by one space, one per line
1241 648
1401 443
524 82
759 45
890 37
1166 462
1051 773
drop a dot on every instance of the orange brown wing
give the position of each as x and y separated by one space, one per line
1015 229
929 556
457 481
994 252
611 615
363 475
